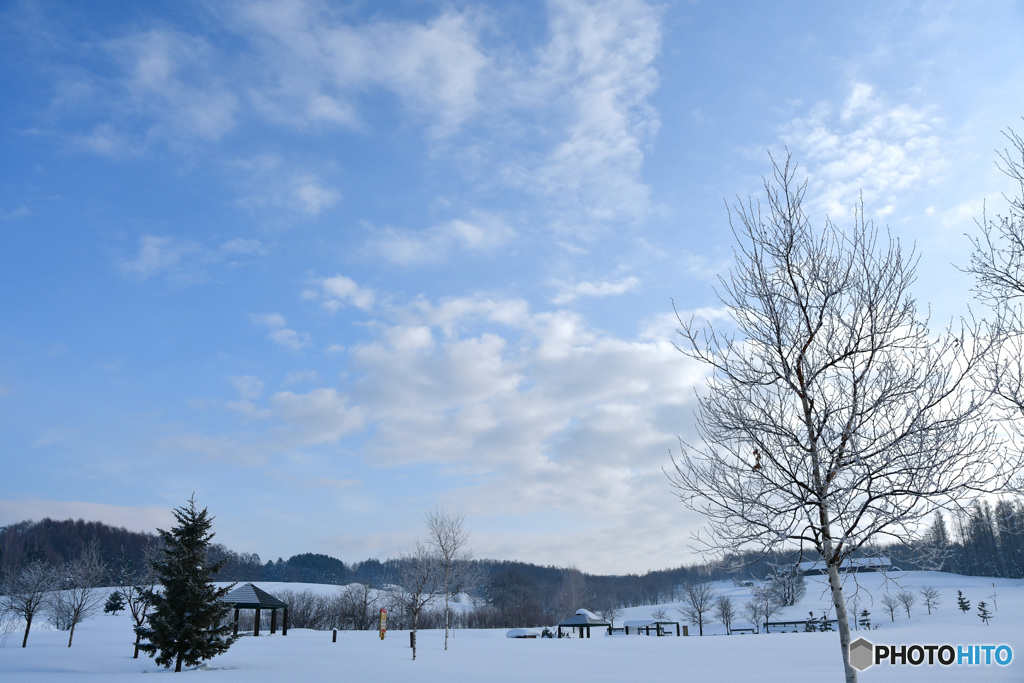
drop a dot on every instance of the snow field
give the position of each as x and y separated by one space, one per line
103 647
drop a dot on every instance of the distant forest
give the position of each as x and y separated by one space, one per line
986 541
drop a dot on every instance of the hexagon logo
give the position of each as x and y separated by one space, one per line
862 654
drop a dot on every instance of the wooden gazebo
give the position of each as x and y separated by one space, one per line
584 620
249 596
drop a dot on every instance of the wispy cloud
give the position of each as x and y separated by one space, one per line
480 233
269 182
159 255
15 214
595 76
865 144
173 79
279 332
570 292
185 261
315 65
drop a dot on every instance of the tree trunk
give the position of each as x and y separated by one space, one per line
28 625
137 639
177 663
415 619
842 619
447 620
72 634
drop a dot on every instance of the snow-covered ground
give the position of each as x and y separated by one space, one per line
103 646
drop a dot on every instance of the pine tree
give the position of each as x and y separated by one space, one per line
114 604
865 620
187 623
826 623
962 603
811 625
983 612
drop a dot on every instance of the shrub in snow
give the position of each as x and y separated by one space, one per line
983 612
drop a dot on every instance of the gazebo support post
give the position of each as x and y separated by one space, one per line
273 621
284 626
256 624
236 623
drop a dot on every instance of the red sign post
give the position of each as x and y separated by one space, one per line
383 622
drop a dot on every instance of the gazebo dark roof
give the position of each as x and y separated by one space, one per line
249 596
584 620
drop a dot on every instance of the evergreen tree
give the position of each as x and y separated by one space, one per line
114 604
187 623
811 625
962 603
983 612
826 623
865 620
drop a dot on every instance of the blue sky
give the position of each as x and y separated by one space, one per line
329 265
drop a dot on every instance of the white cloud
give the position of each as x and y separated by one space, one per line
272 320
268 181
320 416
339 291
570 293
311 196
174 79
289 339
159 255
871 146
184 261
481 233
315 65
279 332
598 71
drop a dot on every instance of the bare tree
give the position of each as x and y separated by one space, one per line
907 599
133 584
767 597
26 592
660 614
725 611
415 585
572 593
891 604
358 602
610 610
698 600
753 610
786 583
449 538
79 596
833 417
997 263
